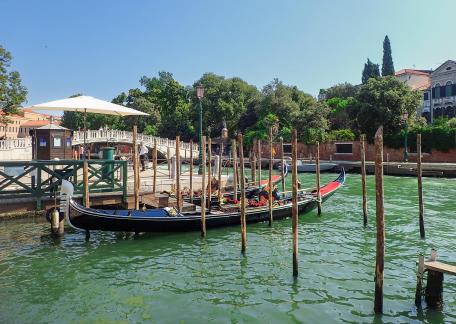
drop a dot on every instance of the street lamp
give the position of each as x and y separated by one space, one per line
200 95
404 118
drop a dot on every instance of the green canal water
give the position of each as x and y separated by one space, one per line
181 278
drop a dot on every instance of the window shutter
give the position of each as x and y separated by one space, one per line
442 91
433 93
454 89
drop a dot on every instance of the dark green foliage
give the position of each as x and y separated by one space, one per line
387 64
341 135
12 92
226 100
437 137
370 70
383 101
341 90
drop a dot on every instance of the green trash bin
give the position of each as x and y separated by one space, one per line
108 154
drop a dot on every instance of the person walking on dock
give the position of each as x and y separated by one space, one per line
142 156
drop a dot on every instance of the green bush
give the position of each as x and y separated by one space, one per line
341 135
440 137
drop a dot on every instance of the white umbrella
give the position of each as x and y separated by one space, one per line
87 104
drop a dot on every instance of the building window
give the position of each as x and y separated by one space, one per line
43 142
344 148
436 91
286 148
426 96
448 89
68 142
57 143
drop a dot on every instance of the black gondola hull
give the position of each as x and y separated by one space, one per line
138 221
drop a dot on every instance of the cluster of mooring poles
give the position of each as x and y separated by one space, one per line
435 270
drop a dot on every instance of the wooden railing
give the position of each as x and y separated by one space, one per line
41 179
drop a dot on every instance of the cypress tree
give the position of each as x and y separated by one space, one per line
370 70
387 66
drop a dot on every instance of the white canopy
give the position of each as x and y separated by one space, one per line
88 104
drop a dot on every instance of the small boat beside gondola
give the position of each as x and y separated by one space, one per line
250 191
170 220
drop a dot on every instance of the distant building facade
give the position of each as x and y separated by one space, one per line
21 124
438 88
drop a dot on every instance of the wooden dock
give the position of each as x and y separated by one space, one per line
440 267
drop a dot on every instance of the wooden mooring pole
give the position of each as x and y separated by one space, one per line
154 157
420 185
282 170
363 176
235 168
135 167
270 178
178 171
203 187
219 176
294 211
317 174
253 162
380 246
259 161
191 171
209 174
85 178
243 202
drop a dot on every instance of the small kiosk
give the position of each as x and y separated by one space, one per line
51 142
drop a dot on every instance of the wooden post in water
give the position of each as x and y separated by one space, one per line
317 173
191 171
243 202
363 176
259 161
209 174
434 286
135 167
420 184
253 162
178 170
235 168
380 247
419 281
203 186
154 187
282 170
220 173
270 178
85 178
294 211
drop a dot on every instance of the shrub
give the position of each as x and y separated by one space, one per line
341 135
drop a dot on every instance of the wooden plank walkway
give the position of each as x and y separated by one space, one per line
440 267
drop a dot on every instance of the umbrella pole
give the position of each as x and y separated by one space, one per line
85 131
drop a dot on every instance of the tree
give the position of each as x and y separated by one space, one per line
383 101
225 100
387 64
12 92
342 90
312 123
169 101
370 70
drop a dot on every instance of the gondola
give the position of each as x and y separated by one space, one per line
170 220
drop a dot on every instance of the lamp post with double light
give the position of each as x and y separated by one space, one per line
200 94
404 118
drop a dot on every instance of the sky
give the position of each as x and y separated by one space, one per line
101 48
